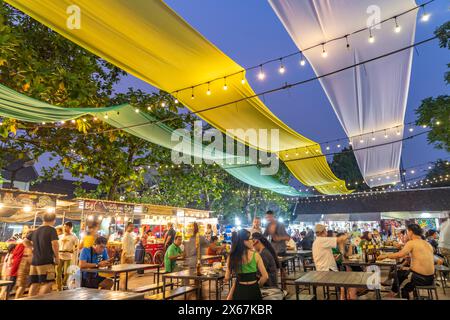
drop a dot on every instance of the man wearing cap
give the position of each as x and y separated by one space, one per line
322 249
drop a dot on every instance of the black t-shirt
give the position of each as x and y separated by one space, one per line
42 239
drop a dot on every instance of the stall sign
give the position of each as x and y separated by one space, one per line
19 199
107 207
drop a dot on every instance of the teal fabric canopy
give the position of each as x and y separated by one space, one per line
140 124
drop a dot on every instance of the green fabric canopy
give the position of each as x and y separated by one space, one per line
140 124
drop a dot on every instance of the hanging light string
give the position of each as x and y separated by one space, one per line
235 102
281 70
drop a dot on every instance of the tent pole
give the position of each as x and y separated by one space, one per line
34 222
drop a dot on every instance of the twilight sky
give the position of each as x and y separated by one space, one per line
250 33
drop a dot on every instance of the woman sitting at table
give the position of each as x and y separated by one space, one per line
245 263
214 249
269 257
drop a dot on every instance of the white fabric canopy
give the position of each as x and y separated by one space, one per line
367 98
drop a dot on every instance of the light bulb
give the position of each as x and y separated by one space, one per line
281 70
163 104
302 62
243 81
1 205
371 39
425 17
136 110
373 139
398 133
328 148
361 141
225 87
324 53
105 116
261 74
208 92
338 146
63 122
386 136
411 129
176 101
26 209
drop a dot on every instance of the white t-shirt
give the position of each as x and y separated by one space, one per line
444 235
322 254
67 245
128 244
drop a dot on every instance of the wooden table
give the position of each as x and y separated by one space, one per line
6 283
336 279
117 269
191 274
378 263
88 294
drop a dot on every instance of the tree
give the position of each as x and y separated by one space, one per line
345 167
435 112
42 64
437 175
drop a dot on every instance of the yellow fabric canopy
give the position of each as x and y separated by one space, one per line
150 41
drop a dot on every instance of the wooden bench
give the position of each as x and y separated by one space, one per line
171 294
151 287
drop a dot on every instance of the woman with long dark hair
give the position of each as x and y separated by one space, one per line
245 263
269 257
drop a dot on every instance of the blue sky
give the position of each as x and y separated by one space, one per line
249 32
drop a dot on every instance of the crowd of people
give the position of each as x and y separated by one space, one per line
46 254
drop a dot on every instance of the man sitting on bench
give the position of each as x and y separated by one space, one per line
95 257
422 260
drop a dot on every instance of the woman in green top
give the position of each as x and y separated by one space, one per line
245 263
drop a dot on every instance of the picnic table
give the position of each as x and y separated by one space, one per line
88 294
4 283
117 269
338 280
191 274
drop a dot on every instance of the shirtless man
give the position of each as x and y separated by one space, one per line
422 260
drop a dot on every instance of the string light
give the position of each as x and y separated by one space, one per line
136 110
225 87
371 37
208 92
261 74
302 60
425 15
105 116
243 78
281 70
192 94
398 28
324 52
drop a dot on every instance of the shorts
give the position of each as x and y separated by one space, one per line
42 274
23 273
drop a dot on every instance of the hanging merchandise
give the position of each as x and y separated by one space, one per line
368 97
150 41
19 106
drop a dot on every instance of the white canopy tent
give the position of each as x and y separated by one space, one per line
369 98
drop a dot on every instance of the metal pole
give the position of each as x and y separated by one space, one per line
34 222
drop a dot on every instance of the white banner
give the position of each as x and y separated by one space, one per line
370 97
